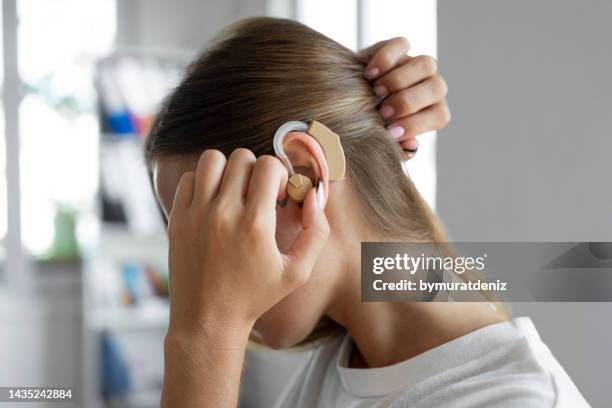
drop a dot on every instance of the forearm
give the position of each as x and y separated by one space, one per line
203 369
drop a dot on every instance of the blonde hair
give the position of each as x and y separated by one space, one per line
262 72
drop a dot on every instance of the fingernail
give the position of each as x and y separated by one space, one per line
396 131
410 145
386 111
371 73
283 202
320 195
380 90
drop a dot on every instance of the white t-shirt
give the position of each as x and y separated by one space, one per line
502 365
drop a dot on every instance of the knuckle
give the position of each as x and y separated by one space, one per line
428 64
187 177
438 85
394 81
401 42
321 233
282 169
386 61
272 166
255 224
444 114
301 277
212 155
267 161
242 154
324 231
405 103
208 158
297 277
220 219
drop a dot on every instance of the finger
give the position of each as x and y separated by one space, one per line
369 52
412 100
386 56
412 72
410 147
208 175
432 118
236 176
184 194
309 242
268 183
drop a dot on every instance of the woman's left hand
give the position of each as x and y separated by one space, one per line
412 91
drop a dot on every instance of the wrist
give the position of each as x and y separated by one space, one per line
208 334
203 363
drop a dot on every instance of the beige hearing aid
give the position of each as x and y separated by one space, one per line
299 185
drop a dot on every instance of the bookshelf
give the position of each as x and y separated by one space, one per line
154 41
125 277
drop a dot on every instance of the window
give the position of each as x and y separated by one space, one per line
359 23
336 19
49 126
58 119
3 214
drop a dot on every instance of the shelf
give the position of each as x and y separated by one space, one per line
139 399
152 316
117 241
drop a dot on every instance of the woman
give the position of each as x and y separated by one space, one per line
241 264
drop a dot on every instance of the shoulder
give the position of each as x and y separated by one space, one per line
522 373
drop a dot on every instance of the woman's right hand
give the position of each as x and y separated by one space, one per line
225 267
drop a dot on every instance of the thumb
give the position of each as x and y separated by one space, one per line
309 242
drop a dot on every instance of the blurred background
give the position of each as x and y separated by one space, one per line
83 275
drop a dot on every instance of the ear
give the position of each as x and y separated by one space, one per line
307 158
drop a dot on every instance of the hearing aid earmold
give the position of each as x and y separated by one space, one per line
299 185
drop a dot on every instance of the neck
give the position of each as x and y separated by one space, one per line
387 333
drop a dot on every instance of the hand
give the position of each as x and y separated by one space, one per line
225 266
226 270
413 93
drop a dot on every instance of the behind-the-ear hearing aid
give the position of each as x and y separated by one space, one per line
299 185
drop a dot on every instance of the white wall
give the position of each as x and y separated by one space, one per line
185 24
526 157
